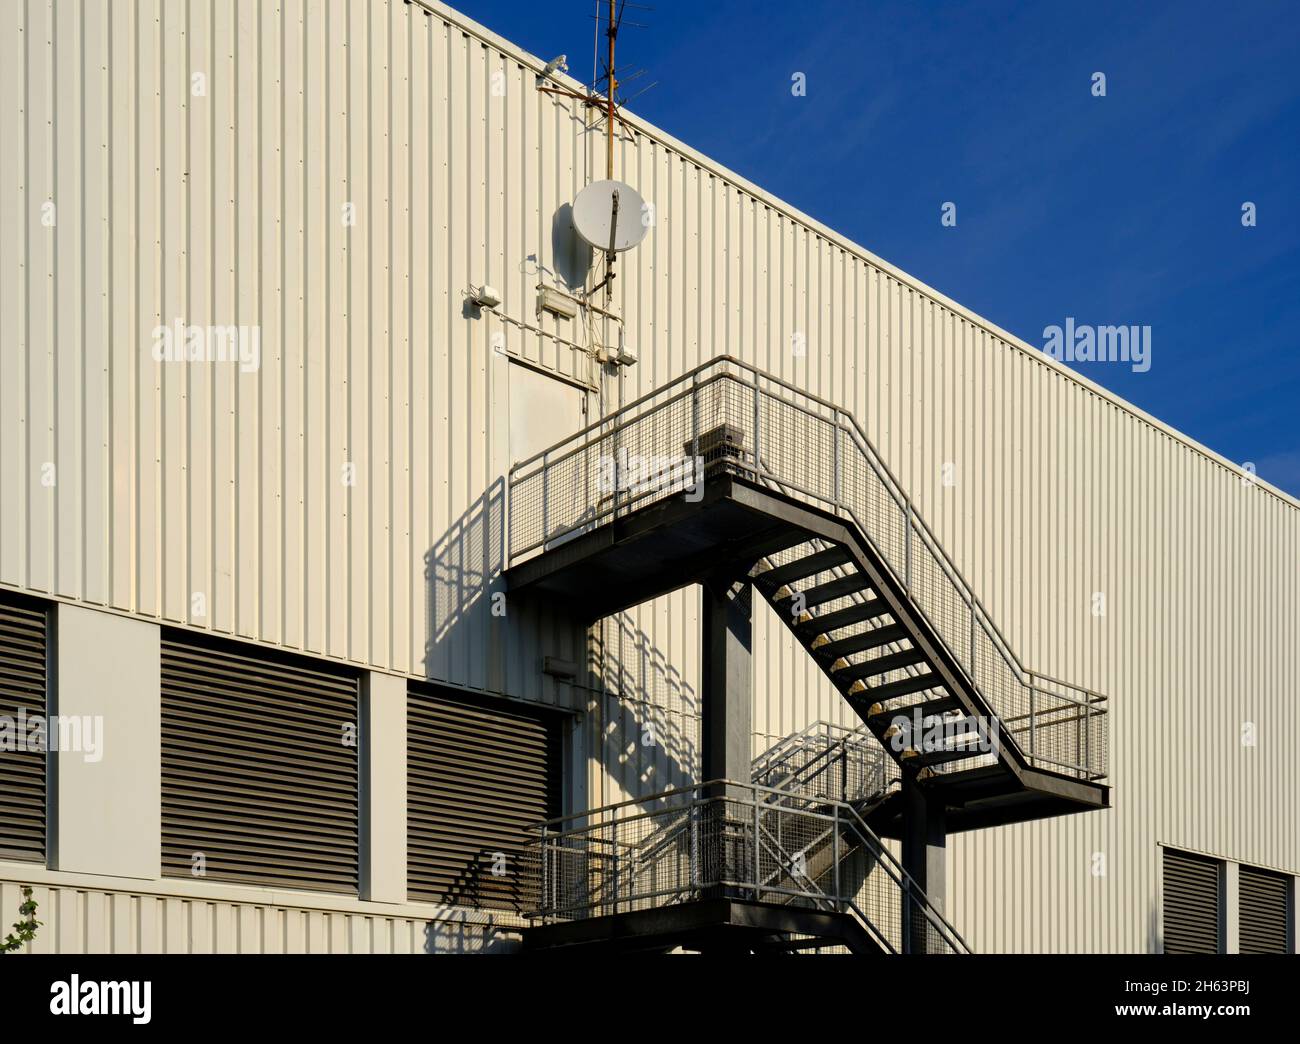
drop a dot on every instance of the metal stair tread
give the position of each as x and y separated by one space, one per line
831 589
861 612
928 708
882 664
862 641
944 755
905 687
809 565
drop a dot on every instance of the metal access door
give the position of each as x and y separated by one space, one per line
543 410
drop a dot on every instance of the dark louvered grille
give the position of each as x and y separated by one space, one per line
23 629
479 774
1263 910
1191 903
257 777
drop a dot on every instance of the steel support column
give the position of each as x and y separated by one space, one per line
727 725
924 858
727 683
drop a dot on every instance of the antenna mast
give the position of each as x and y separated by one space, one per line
608 106
612 32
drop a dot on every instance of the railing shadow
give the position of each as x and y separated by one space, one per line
454 935
488 882
476 636
646 695
460 570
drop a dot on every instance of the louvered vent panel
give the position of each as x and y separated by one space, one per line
479 774
256 775
1263 911
1191 903
23 628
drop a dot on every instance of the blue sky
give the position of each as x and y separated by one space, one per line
1117 210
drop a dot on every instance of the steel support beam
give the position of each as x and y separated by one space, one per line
728 691
924 857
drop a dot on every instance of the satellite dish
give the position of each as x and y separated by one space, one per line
595 216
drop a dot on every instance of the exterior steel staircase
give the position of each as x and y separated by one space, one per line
868 653
731 465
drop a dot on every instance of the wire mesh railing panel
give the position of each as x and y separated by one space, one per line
827 763
737 840
728 417
949 614
864 494
795 448
997 682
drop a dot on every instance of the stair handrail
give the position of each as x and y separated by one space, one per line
652 846
1087 702
838 815
850 424
820 733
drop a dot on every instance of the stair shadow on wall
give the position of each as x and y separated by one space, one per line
645 695
478 887
461 572
467 646
457 935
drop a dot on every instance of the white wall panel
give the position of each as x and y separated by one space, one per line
91 916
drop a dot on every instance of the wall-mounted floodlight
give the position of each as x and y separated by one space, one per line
560 64
565 670
557 303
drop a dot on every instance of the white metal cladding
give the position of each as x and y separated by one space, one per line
95 917
226 208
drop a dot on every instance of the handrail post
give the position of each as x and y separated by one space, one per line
694 818
618 478
695 417
1087 739
617 860
1033 721
541 892
546 485
835 855
907 552
757 413
835 460
907 915
971 604
844 769
510 515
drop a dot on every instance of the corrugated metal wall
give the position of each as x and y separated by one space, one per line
176 480
92 919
